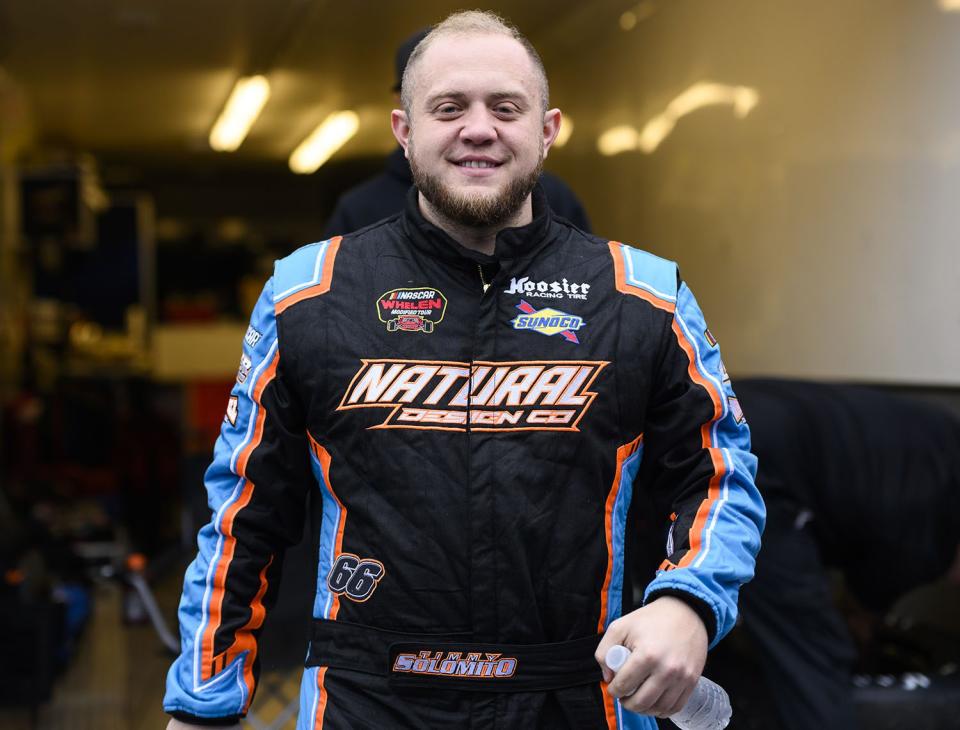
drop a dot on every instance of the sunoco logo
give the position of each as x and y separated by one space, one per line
547 322
547 289
495 396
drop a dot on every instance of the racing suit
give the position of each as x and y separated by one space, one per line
474 427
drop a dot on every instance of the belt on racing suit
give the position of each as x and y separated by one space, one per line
453 661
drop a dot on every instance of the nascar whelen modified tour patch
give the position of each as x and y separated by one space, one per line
411 310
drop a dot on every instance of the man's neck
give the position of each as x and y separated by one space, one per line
477 239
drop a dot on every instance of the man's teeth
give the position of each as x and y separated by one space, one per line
477 163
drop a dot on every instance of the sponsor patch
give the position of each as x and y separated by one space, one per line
547 322
494 396
252 337
710 338
411 310
233 406
723 372
244 370
735 409
547 289
354 577
456 664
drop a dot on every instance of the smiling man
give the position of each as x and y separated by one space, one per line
469 393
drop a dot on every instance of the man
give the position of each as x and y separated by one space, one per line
472 385
857 480
384 195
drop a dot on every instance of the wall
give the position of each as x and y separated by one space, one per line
819 231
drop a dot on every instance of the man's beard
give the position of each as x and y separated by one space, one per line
476 211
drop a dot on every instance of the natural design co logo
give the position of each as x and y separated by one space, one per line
548 322
411 310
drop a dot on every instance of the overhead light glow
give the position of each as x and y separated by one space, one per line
615 140
240 112
628 21
742 98
566 129
949 6
324 141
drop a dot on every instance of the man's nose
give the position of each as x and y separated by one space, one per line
479 126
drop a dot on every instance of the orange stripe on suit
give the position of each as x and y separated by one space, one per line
215 617
620 276
623 453
323 456
322 287
719 468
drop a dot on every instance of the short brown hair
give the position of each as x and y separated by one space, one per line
475 22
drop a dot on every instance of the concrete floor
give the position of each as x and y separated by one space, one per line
116 679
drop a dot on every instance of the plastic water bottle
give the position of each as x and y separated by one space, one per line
707 709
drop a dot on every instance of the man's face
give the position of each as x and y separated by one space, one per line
476 134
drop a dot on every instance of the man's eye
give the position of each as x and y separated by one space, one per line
505 109
447 109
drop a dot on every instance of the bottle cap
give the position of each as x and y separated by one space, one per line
616 657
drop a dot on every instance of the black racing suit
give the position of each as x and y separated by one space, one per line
474 427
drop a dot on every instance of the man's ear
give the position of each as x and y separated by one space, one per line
551 128
400 125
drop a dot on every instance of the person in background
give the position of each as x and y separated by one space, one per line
472 388
855 480
384 195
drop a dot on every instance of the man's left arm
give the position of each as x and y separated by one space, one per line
697 459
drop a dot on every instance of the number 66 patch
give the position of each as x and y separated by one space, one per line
354 577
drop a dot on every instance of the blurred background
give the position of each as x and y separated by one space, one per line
801 162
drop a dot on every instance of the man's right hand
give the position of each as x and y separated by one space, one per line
176 724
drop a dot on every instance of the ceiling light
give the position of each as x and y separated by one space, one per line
326 139
628 20
615 140
566 129
742 98
240 112
949 6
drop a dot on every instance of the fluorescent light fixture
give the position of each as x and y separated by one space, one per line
566 129
240 112
949 6
625 138
323 141
615 140
742 98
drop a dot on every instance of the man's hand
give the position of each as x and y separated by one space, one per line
668 648
176 724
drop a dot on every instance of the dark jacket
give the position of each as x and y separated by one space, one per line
488 517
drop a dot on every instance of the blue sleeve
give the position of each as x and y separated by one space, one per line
256 489
698 460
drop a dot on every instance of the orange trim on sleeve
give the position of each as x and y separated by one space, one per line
620 276
215 615
207 668
245 641
322 287
719 468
